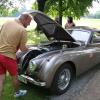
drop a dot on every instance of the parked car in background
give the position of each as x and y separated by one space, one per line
54 63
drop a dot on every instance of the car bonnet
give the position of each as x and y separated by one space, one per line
52 29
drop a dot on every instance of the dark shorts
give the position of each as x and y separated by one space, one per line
8 64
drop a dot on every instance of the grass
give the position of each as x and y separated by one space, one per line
36 93
95 23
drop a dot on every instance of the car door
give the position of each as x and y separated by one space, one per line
86 58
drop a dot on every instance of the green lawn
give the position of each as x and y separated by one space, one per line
36 93
95 23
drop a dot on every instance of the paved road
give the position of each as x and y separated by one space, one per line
85 87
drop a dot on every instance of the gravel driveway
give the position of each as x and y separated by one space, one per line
85 87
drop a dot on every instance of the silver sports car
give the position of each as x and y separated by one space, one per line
67 54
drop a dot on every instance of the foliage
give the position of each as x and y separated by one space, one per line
4 7
35 37
7 7
74 8
14 12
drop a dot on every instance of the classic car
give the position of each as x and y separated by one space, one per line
54 63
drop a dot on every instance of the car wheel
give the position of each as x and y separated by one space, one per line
62 79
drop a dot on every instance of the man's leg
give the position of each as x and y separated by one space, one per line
16 87
12 69
2 79
15 83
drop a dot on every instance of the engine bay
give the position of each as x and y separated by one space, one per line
43 48
57 45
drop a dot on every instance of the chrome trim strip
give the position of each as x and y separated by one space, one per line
31 80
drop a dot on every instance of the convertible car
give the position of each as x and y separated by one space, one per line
54 63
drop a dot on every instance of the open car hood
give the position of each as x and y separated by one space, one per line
52 29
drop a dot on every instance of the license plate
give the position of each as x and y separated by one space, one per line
22 79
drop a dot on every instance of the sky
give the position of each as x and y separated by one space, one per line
28 4
23 5
95 8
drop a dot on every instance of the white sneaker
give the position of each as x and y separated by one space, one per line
20 93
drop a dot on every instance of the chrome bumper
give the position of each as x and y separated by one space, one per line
31 80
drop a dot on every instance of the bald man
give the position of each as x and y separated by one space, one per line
13 36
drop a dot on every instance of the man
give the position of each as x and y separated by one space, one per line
13 37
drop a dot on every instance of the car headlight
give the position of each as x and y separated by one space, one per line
32 66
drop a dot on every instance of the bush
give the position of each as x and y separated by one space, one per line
35 37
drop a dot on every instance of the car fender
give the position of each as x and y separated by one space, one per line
50 66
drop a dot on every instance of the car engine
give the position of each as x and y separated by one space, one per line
24 58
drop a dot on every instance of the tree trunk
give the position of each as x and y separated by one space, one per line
60 12
41 5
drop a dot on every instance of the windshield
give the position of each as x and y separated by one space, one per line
81 35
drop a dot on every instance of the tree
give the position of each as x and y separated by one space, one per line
4 7
41 5
74 8
7 5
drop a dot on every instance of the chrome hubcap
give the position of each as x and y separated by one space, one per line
64 79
